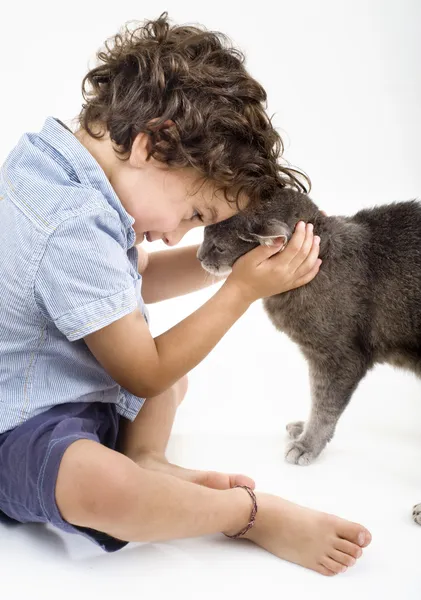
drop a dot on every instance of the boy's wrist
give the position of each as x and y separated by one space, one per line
240 293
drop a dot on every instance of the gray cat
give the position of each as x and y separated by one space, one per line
364 306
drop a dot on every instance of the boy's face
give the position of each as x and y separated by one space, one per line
166 203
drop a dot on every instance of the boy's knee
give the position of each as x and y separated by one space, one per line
93 484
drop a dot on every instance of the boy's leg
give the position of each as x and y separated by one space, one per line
149 433
145 440
103 490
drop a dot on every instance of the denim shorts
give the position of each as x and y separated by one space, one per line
30 457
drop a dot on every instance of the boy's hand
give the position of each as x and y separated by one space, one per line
265 271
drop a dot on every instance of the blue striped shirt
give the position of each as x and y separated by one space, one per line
68 267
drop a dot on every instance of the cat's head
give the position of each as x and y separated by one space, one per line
276 218
225 242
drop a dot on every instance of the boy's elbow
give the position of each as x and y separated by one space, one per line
148 389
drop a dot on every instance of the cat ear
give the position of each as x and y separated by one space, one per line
266 233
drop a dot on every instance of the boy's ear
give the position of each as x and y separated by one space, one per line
141 145
266 233
140 150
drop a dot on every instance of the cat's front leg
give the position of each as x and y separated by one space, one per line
331 390
295 429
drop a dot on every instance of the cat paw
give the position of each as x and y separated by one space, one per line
298 453
295 429
416 514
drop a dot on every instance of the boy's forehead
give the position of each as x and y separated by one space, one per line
220 211
219 208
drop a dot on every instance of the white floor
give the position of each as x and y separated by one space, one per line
233 419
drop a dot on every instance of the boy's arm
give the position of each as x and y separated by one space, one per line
146 366
172 273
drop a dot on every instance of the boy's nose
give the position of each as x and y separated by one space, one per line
173 238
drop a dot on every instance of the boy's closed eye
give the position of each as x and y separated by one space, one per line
207 217
196 215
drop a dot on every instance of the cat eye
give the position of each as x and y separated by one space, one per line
218 248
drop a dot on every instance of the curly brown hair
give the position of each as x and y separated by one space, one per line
189 90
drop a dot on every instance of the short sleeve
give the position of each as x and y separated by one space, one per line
85 280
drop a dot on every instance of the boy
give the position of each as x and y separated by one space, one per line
173 135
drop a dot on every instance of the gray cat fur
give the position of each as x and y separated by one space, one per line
364 306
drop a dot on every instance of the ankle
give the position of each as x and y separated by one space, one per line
143 456
242 507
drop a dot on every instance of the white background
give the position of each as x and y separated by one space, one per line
343 81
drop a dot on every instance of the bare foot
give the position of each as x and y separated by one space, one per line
312 539
211 479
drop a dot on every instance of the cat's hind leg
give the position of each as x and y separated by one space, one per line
416 513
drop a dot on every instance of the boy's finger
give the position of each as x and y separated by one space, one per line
296 241
308 263
262 253
305 248
310 275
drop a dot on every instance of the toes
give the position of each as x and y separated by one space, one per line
342 558
295 429
298 454
214 480
333 566
323 571
364 538
222 481
348 548
242 480
354 533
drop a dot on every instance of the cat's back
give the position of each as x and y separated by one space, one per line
393 261
392 252
370 279
393 227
